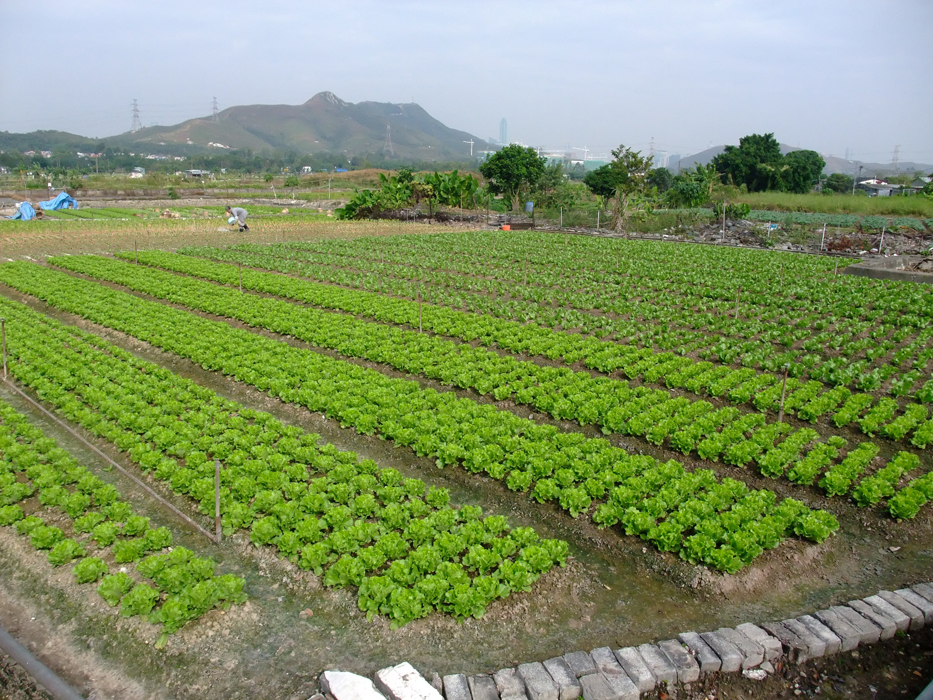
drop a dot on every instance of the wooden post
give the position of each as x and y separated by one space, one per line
239 272
722 240
737 293
419 307
881 244
823 238
217 529
783 394
3 333
597 219
135 253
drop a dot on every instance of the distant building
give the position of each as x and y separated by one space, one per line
877 188
197 173
504 132
137 172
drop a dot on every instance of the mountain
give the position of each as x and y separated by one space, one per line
833 164
325 123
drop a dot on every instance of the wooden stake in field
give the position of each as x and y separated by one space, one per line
419 308
135 253
561 218
783 394
239 272
836 269
218 531
881 244
737 293
823 239
3 333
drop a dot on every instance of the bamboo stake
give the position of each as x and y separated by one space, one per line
783 394
218 531
239 270
738 292
3 331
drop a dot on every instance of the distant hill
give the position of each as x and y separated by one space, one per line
833 164
325 123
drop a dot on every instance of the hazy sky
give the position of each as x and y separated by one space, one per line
821 74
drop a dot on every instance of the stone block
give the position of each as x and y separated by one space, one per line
752 652
924 589
580 663
596 687
636 668
918 601
869 632
772 646
538 682
510 684
901 619
887 625
849 637
606 661
707 659
342 685
912 611
661 667
622 686
830 638
688 670
794 647
456 687
816 647
403 682
483 687
727 652
565 678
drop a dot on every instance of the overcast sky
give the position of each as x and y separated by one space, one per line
821 74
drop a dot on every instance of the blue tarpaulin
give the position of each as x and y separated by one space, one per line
25 212
62 201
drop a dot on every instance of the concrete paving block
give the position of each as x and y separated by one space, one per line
483 687
752 652
901 619
918 601
912 611
707 659
727 652
794 647
580 663
538 682
816 647
849 637
688 670
830 638
565 678
661 667
636 668
596 687
456 687
510 684
349 686
869 632
403 682
772 646
923 589
622 686
606 661
887 625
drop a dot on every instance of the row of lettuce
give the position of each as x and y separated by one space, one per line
724 434
78 519
842 331
402 545
718 522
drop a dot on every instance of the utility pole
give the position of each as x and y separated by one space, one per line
471 146
137 123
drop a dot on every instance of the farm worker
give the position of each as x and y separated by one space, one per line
239 213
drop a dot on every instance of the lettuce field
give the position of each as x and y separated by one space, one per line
417 443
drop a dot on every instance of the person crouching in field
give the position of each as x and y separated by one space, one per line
238 215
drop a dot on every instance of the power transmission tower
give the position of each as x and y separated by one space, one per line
651 151
214 109
387 148
137 124
895 159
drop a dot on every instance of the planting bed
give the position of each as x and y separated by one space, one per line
464 450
